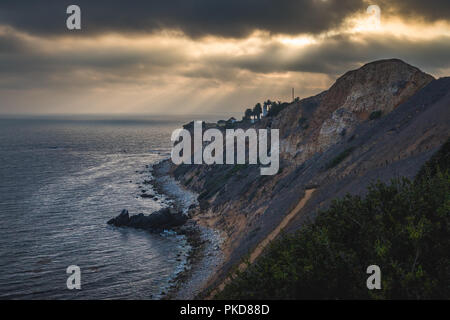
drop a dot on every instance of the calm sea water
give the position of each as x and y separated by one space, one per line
60 181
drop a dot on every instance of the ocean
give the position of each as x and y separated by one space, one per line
61 180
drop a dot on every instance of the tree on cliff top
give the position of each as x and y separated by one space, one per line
248 114
257 110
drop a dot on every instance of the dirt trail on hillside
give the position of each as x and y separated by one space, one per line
260 247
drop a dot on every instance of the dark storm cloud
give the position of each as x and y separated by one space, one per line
56 64
230 18
25 64
11 44
30 63
332 56
429 10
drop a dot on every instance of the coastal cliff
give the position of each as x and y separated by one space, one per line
383 120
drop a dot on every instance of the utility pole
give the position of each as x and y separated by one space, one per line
293 94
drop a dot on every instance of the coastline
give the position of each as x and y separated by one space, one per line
205 254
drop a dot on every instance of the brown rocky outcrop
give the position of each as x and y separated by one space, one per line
377 86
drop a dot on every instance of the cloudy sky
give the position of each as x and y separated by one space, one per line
203 56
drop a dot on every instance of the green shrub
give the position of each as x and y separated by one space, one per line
375 115
440 160
276 108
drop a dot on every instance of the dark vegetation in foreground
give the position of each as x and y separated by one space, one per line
403 227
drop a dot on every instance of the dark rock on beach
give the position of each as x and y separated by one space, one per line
165 218
145 195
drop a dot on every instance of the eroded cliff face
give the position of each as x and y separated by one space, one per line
328 142
377 87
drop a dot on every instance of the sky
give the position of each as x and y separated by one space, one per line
203 56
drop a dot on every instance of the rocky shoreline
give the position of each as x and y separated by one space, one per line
204 253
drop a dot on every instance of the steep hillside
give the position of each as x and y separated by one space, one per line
385 119
402 227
